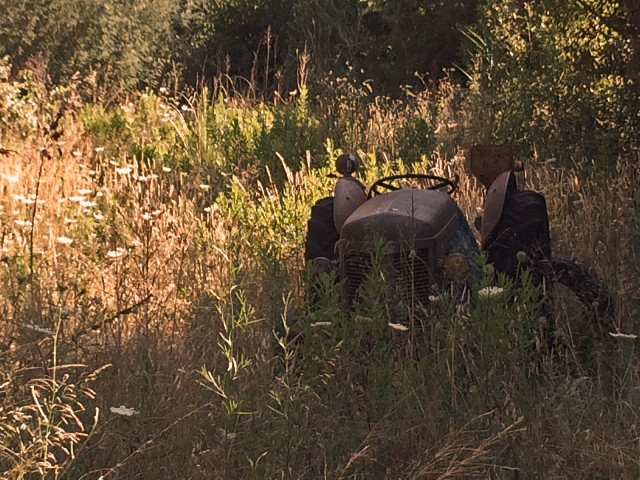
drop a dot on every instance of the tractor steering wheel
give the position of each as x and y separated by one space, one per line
386 182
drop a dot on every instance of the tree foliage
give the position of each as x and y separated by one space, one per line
555 76
549 76
122 40
137 41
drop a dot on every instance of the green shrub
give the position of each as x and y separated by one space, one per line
549 78
122 42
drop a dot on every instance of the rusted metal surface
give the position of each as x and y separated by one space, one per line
348 196
494 202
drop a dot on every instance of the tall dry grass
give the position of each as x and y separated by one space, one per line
148 252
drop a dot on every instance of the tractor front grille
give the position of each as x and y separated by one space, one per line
406 275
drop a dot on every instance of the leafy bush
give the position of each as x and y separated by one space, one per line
118 40
246 45
549 77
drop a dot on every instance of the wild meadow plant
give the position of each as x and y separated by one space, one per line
151 248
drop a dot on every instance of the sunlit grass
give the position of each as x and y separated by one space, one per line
163 241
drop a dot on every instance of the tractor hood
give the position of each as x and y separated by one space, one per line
406 215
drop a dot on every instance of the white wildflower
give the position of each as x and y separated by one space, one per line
77 198
204 186
65 240
320 324
84 191
125 411
184 108
11 178
76 153
434 298
398 326
166 169
143 178
98 216
490 292
87 204
628 336
99 149
23 223
118 252
123 171
70 221
39 329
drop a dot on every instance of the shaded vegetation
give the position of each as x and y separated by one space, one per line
152 234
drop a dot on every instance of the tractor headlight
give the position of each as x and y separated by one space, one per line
456 267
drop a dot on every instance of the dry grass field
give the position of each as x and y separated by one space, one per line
149 249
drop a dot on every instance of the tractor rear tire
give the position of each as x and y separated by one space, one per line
321 232
582 311
587 285
523 227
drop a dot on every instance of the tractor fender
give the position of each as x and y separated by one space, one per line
494 202
348 196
